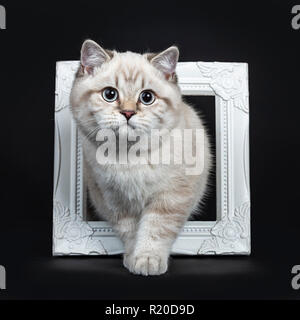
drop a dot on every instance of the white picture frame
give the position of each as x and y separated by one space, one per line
230 234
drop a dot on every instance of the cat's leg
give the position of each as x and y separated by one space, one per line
158 229
126 229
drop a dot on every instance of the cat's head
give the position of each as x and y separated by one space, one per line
115 90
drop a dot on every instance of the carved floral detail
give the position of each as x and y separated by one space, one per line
228 81
70 231
231 234
64 80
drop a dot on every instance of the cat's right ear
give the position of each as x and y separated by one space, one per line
92 56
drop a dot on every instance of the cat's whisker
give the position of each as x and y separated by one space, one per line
141 126
142 121
91 133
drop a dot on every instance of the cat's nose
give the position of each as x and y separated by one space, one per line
128 113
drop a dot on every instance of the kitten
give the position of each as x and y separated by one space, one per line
147 204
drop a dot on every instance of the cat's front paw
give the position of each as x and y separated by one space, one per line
146 263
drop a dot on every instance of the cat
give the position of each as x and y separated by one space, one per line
146 204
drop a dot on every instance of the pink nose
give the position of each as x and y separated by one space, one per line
127 113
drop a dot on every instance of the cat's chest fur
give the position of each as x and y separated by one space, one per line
124 187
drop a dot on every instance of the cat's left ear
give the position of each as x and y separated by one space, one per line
166 61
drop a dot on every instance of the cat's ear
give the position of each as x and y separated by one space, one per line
166 61
92 55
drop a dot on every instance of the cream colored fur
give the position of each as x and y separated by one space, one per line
146 204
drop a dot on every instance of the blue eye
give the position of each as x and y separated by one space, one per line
110 94
147 97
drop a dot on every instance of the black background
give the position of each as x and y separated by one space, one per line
38 34
205 107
